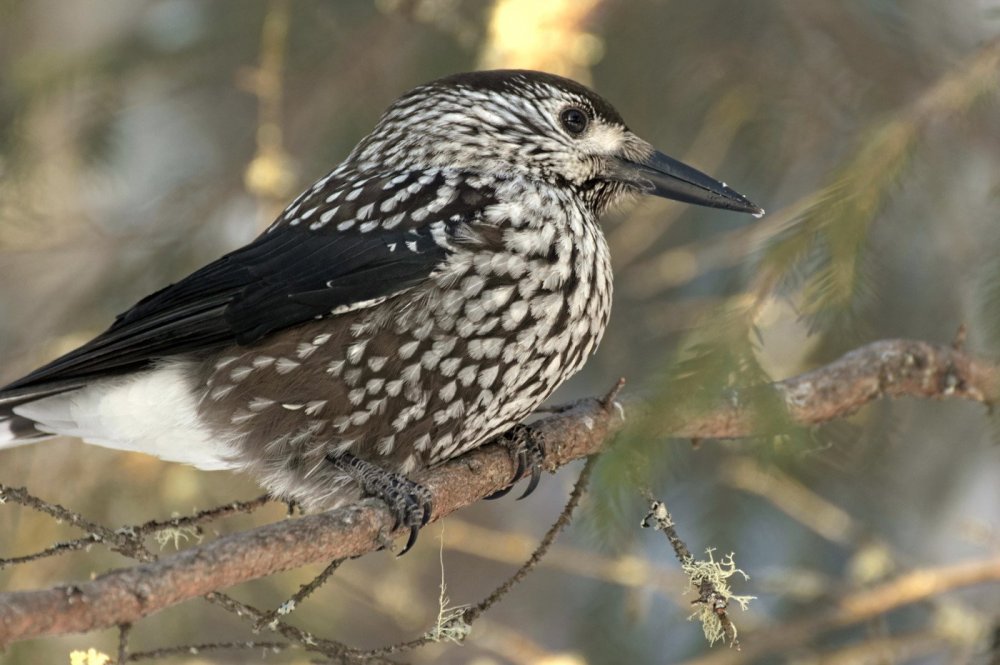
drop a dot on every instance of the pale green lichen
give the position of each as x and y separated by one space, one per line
176 534
716 574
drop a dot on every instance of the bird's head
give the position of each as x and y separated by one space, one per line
509 123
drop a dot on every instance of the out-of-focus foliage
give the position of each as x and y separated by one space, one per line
142 138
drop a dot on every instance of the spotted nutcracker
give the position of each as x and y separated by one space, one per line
420 299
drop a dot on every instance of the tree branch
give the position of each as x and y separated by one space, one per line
887 368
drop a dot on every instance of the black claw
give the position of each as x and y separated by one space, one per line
535 450
409 502
536 476
411 541
528 449
521 454
500 493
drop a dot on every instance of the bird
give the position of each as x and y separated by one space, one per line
422 298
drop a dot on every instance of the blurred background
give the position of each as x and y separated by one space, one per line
140 139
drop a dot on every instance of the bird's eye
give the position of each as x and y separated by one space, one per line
574 120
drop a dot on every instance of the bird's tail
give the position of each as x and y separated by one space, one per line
16 429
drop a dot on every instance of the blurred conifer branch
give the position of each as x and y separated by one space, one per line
822 246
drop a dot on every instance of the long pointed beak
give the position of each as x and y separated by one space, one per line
664 176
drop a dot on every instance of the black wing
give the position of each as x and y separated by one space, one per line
300 269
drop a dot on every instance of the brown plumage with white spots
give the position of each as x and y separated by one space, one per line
423 297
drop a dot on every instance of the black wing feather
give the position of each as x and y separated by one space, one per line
287 276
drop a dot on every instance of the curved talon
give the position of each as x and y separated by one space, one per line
522 463
425 517
411 541
528 449
500 493
536 475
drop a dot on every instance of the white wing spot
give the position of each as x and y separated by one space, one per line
285 365
449 366
468 374
352 376
343 446
393 222
313 408
411 373
356 351
260 403
328 215
261 362
241 416
423 442
409 465
386 443
240 373
224 362
343 309
488 376
448 392
220 392
407 350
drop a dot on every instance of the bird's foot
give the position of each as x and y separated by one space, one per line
409 502
527 448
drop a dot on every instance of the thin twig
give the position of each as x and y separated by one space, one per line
126 539
659 518
304 591
197 649
561 522
52 550
123 633
202 516
711 595
308 641
121 541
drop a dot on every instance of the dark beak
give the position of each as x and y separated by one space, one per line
664 176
